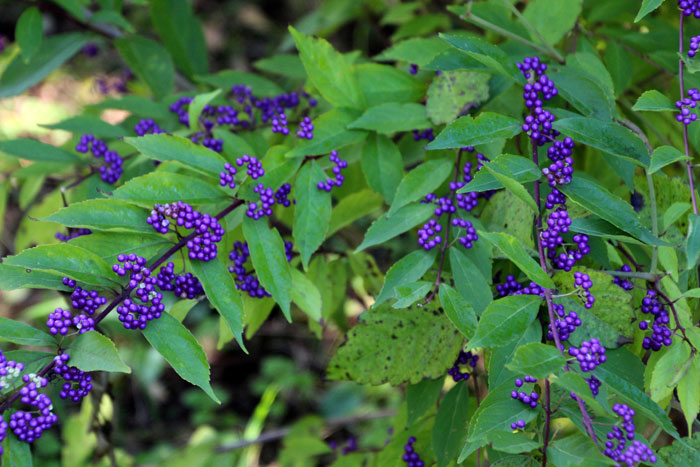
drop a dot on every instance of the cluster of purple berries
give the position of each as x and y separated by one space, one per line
183 286
88 301
264 206
690 7
72 233
247 280
339 165
429 236
686 115
306 129
9 370
568 259
77 383
621 281
147 126
512 287
660 333
208 141
254 167
470 236
566 324
347 449
584 281
694 46
529 400
111 169
616 447
208 231
558 223
410 456
29 425
426 134
132 314
589 355
464 358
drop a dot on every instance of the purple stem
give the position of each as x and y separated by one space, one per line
689 162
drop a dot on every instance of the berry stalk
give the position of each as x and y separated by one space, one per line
689 162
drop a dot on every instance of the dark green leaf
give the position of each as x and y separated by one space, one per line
489 55
504 320
647 7
329 71
88 124
689 392
453 93
497 371
312 213
164 187
15 277
408 269
458 309
514 250
574 450
513 443
103 214
197 105
663 156
422 397
270 262
17 453
388 346
692 243
551 18
584 92
669 369
420 181
450 429
469 131
306 295
34 150
112 17
588 194
382 84
497 411
181 33
382 165
70 260
385 228
20 75
288 65
330 133
262 87
20 333
221 292
408 294
29 32
609 137
91 351
469 280
392 117
150 62
522 170
175 148
506 178
575 383
417 50
181 350
109 245
654 101
353 207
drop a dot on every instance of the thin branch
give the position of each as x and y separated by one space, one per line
689 162
552 51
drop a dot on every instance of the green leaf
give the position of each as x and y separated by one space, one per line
636 398
689 392
181 33
521 169
262 87
584 92
389 346
382 165
164 147
506 178
647 7
576 449
91 351
312 213
221 292
514 250
55 50
385 228
453 93
469 280
609 137
150 62
181 350
70 260
663 156
680 452
424 179
17 453
538 360
164 187
458 309
418 50
592 65
330 133
552 19
103 214
112 17
329 71
109 245
574 382
469 131
422 397
392 117
504 320
594 197
497 411
497 371
669 368
31 149
489 55
382 84
270 262
306 295
513 443
197 105
617 59
88 124
15 277
450 429
29 32
287 65
408 269
20 333
353 207
409 294
137 105
692 243
654 101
